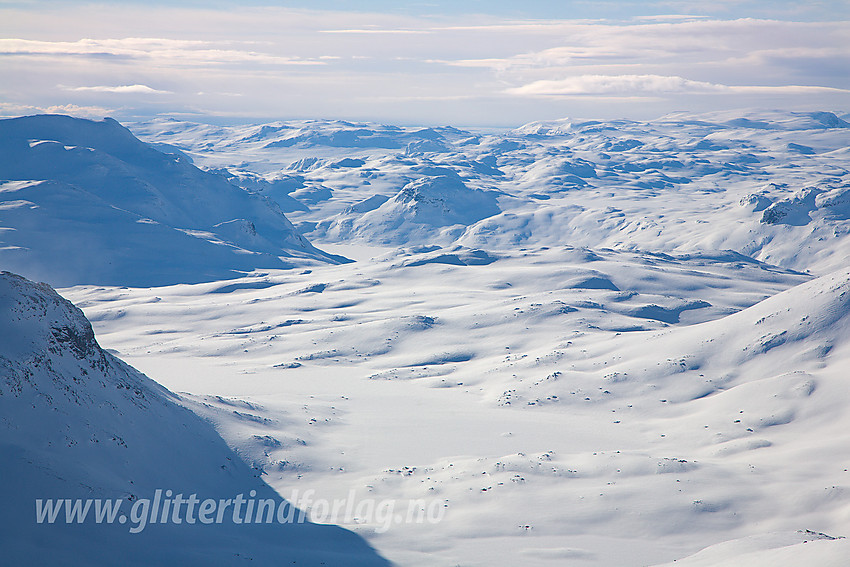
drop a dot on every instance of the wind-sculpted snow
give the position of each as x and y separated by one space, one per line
77 422
600 342
86 202
680 184
559 402
781 335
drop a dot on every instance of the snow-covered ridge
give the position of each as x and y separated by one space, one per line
77 422
87 202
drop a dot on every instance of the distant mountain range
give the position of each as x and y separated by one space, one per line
769 184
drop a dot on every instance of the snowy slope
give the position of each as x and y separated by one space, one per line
79 423
520 390
86 202
803 547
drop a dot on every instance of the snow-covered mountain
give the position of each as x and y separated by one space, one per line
432 207
771 185
87 202
594 342
77 422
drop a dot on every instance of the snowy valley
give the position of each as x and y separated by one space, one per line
606 343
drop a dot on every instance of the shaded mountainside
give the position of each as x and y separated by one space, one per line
76 422
87 202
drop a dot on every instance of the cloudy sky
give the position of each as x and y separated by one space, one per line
467 63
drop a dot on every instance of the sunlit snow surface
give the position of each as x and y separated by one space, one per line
597 343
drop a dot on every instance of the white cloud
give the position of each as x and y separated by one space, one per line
376 31
668 17
8 109
699 42
278 63
121 89
616 84
631 85
76 110
158 50
785 89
